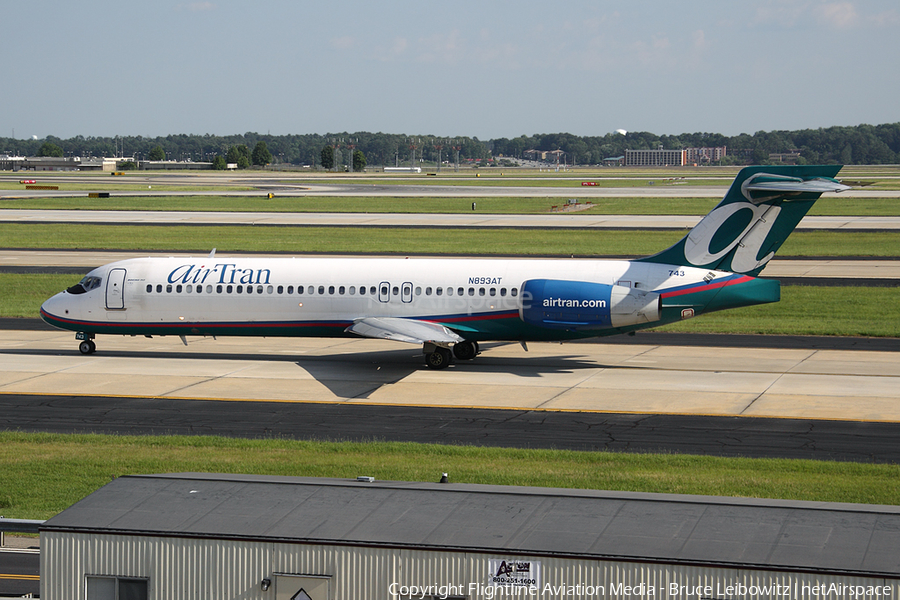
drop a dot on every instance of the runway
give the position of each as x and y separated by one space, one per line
473 220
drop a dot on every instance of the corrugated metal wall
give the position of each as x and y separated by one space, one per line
191 569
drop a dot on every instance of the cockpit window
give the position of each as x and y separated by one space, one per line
85 285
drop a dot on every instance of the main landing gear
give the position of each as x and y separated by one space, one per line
438 357
87 345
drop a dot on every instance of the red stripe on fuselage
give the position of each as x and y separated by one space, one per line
710 286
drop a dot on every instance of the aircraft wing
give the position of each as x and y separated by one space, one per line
404 330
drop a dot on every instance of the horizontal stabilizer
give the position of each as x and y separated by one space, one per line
764 186
404 330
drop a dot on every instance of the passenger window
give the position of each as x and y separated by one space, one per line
281 289
480 292
372 290
493 292
331 290
259 289
321 290
158 288
428 291
514 292
190 289
459 291
179 288
396 290
199 289
440 291
228 289
384 291
471 291
341 290
209 289
310 290
418 291
249 289
149 288
502 291
270 289
169 289
449 291
240 289
352 290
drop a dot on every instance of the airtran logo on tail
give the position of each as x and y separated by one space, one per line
739 224
218 273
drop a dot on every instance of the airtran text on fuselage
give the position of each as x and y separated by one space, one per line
218 273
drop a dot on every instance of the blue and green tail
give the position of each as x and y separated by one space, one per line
759 212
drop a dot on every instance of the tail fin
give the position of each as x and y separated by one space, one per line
759 212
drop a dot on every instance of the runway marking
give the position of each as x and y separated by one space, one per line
352 402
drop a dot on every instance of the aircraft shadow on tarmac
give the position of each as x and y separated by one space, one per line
357 375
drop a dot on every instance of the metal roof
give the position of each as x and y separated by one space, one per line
704 530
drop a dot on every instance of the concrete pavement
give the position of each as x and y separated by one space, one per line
762 382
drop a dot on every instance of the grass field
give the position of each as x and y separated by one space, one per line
42 474
507 242
829 205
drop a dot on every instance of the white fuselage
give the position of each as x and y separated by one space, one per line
321 296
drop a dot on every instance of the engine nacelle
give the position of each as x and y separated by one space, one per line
581 305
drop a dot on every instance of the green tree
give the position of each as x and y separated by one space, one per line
219 163
126 165
50 149
359 161
239 155
261 155
327 157
157 153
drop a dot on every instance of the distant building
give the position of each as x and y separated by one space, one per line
553 156
9 162
53 163
614 161
792 157
655 158
174 165
704 156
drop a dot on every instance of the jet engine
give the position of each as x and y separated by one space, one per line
582 305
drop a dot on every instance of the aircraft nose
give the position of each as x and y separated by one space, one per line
53 307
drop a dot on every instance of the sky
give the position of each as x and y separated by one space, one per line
480 69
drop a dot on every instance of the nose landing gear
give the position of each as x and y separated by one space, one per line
87 345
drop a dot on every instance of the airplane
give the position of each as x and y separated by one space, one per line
450 305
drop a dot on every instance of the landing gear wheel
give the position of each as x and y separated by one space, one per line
465 350
87 347
439 359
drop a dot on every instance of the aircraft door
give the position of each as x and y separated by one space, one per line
406 292
115 289
384 291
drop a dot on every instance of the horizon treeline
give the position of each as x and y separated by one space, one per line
861 144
